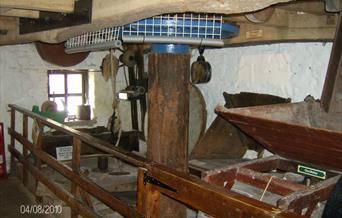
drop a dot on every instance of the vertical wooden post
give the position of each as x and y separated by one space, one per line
168 118
331 99
12 126
25 152
12 165
39 142
76 158
141 192
134 107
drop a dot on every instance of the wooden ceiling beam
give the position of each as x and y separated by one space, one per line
20 13
8 23
66 6
283 26
109 13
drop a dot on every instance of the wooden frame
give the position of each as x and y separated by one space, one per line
85 92
183 187
295 196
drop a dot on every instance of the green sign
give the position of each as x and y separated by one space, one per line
311 171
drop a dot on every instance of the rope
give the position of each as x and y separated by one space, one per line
268 184
115 104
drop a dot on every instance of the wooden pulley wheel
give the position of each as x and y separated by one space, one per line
200 70
128 58
110 64
55 54
260 16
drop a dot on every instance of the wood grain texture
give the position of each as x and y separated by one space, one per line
295 131
284 26
55 54
40 5
54 187
109 13
168 118
107 198
213 200
332 91
20 13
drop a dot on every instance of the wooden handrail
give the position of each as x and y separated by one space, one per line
119 153
55 188
213 200
79 180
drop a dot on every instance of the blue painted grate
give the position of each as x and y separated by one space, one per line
189 28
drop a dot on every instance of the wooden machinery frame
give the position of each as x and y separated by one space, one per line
296 197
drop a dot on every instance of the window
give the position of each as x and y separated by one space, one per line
68 89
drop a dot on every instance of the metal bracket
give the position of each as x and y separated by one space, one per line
154 181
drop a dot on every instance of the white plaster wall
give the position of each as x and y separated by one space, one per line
291 70
23 81
288 70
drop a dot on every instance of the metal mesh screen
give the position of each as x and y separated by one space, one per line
175 25
189 28
103 39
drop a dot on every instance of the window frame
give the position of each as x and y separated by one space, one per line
85 79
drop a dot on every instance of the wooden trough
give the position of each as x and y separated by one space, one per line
299 131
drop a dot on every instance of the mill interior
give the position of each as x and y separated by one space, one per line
207 108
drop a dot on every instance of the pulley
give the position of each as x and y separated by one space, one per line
128 58
200 69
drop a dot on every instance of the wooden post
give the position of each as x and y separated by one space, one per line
39 143
134 107
168 118
12 165
148 199
331 99
25 152
76 158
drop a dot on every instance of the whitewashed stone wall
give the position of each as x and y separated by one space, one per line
23 81
288 70
291 70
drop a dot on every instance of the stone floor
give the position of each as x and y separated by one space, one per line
13 197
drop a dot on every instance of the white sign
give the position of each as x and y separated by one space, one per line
64 153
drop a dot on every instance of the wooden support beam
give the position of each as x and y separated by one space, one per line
12 143
66 6
278 186
315 7
20 13
76 159
8 23
168 118
109 13
284 26
302 198
331 99
220 176
25 151
214 200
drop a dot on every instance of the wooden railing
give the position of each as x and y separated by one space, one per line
153 179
